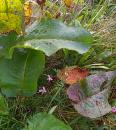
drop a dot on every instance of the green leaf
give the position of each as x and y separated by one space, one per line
43 121
6 42
11 14
52 35
3 106
49 36
19 75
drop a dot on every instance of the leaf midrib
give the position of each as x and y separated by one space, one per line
24 70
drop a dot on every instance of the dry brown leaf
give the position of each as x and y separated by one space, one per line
71 75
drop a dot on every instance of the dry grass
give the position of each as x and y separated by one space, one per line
106 31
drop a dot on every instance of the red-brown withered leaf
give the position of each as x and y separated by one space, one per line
71 75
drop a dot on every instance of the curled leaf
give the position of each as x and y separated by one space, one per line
75 94
94 104
71 75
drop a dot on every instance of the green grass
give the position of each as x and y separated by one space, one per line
22 108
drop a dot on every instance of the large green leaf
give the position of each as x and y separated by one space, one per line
19 75
52 35
3 106
11 14
49 36
43 121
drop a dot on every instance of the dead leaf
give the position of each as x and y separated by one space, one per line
96 104
71 75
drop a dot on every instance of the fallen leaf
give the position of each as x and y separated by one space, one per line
96 104
71 75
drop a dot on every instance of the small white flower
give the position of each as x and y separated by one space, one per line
49 78
42 90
